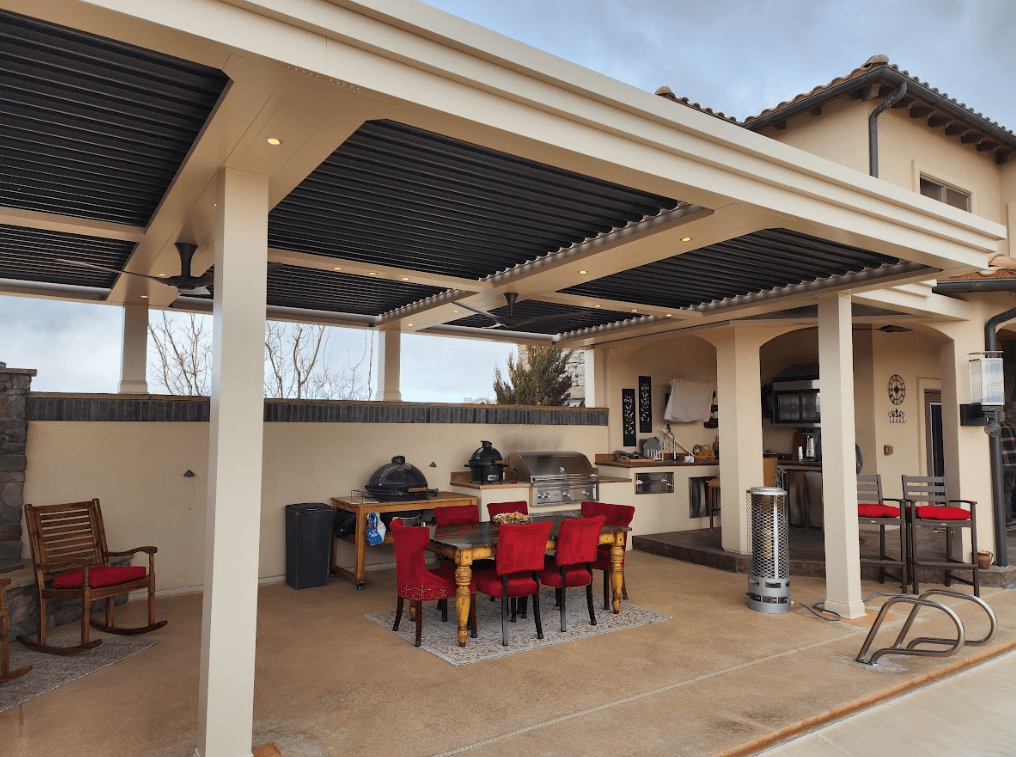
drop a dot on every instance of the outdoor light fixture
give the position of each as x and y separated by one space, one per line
987 392
274 141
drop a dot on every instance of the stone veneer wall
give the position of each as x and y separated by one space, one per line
14 386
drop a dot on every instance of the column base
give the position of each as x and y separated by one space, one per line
846 610
133 387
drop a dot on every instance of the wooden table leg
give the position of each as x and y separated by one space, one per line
360 566
616 573
463 577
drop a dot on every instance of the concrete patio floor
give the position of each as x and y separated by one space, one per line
716 679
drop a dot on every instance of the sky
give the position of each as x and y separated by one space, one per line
735 56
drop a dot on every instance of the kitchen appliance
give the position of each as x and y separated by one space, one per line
557 478
808 439
796 399
398 481
486 465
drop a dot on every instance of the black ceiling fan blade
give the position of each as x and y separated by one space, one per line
82 264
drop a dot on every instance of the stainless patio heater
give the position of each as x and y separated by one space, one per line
769 565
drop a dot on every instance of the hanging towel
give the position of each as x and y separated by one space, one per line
689 401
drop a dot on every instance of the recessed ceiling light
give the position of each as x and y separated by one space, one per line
372 273
685 239
596 306
583 272
337 268
405 278
163 275
274 141
409 324
455 311
669 315
634 310
144 296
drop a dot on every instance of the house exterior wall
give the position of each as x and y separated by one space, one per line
663 359
136 469
840 133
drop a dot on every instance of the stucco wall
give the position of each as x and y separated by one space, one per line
137 469
664 359
840 133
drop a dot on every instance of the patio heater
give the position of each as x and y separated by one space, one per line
769 564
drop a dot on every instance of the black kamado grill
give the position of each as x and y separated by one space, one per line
398 481
486 465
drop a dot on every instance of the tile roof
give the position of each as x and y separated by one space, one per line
942 109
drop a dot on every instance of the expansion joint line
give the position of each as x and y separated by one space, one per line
633 698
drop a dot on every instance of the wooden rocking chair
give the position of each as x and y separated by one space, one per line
69 549
6 674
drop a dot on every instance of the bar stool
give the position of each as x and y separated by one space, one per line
928 506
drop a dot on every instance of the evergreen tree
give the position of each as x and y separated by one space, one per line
536 376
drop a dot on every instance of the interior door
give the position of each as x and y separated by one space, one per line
933 434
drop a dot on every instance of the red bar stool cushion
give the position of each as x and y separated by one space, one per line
931 512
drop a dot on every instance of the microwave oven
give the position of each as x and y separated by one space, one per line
797 403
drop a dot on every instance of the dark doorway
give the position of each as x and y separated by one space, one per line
933 424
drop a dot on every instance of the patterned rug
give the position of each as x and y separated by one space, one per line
52 671
441 640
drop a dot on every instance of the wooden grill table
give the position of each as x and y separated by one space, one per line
478 541
359 538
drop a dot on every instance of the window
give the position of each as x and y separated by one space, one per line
943 193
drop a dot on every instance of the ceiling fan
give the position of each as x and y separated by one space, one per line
511 321
184 281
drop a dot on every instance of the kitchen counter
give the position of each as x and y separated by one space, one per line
464 481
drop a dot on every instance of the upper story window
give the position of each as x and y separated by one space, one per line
936 190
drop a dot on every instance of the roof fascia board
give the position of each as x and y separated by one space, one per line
681 152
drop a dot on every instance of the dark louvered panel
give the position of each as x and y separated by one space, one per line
33 255
561 319
331 291
94 128
756 262
400 196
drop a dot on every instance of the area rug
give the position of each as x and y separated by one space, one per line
52 671
441 639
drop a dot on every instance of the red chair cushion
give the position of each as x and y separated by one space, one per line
100 577
519 584
575 575
459 515
931 512
877 511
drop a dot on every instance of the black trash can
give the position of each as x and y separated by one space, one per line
308 538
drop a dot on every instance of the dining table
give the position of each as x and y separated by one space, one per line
478 541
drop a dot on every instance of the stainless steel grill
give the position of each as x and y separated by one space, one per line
769 566
558 478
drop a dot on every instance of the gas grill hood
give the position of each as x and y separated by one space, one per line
541 466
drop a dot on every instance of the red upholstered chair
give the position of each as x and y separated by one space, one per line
616 515
417 584
928 506
496 508
459 515
872 510
572 564
521 550
71 561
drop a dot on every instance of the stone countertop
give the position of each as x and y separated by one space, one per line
469 484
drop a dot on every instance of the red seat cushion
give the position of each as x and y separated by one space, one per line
100 577
519 584
877 511
930 512
575 575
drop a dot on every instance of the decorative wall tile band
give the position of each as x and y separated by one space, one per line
64 407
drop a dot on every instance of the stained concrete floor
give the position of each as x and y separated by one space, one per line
716 679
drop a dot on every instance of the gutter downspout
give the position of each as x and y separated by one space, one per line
873 128
995 448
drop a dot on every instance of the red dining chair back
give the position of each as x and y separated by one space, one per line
418 584
616 515
496 508
521 551
458 515
572 564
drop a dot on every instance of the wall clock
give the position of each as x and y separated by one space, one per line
897 389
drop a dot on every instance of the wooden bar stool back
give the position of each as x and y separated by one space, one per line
6 674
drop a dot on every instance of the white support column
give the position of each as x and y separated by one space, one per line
229 614
739 399
389 366
596 377
134 357
839 471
